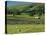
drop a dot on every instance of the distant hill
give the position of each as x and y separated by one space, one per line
37 8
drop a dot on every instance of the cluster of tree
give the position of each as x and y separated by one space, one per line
32 9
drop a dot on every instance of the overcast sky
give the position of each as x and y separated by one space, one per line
10 3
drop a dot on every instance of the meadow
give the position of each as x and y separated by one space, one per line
25 28
24 24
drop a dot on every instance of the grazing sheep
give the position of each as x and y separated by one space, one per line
37 17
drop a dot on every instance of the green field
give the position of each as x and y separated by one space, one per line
37 25
25 28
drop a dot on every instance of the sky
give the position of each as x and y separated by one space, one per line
11 3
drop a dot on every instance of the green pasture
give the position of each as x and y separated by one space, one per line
24 28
